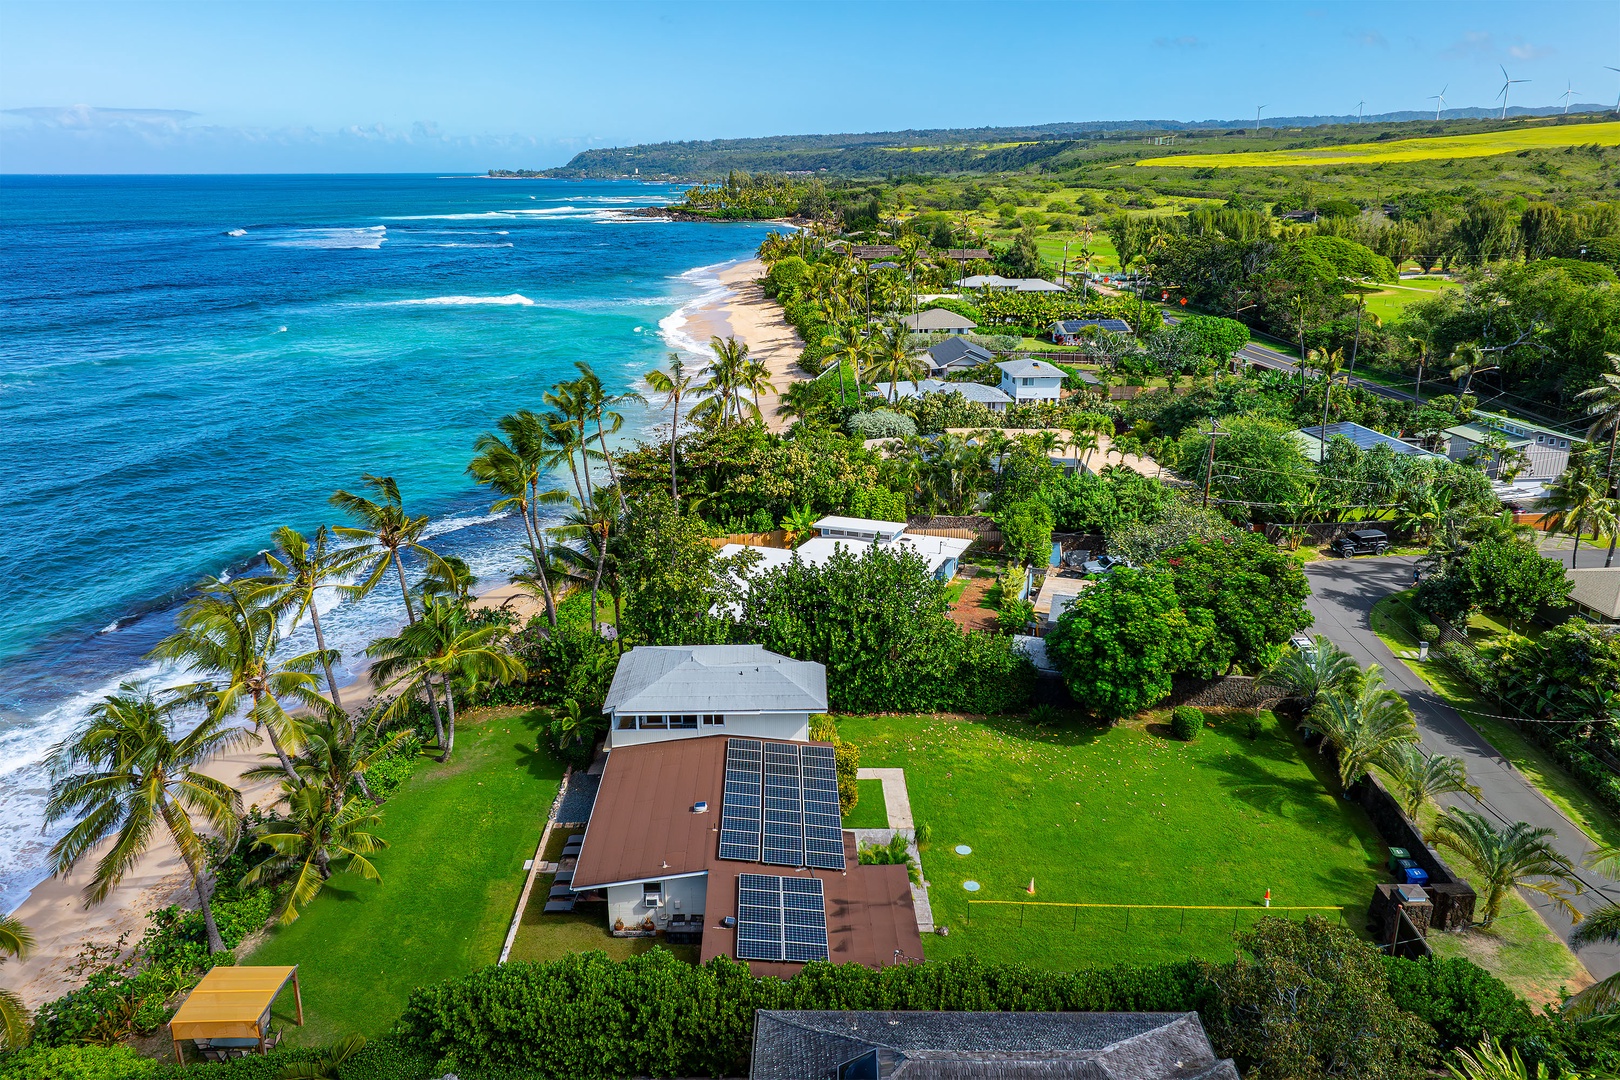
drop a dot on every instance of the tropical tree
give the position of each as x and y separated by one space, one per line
231 631
441 647
568 725
599 408
1420 778
895 360
1364 724
1577 502
722 391
1305 675
16 942
317 837
512 463
566 422
123 775
334 756
756 380
854 346
1603 406
1489 1061
448 577
1600 927
1468 360
798 525
329 1064
303 566
385 531
1516 856
674 384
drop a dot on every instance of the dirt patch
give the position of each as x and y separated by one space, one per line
971 610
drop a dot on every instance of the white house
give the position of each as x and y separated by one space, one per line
856 535
1027 381
987 396
663 692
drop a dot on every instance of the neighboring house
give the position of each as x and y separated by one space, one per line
1545 452
855 535
663 692
1309 440
1069 331
971 391
986 281
740 842
1035 284
937 319
956 354
847 1045
1595 592
1027 381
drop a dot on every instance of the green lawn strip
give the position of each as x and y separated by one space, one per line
551 937
1520 949
1119 815
1537 765
458 836
871 811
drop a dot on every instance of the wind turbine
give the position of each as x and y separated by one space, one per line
1440 100
1506 84
1616 100
1568 93
1359 106
1257 109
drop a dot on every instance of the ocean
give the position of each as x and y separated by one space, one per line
188 362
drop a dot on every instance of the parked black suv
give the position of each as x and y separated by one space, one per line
1362 542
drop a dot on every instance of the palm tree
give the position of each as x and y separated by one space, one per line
1468 360
316 834
512 467
566 424
230 632
1304 675
440 647
1600 927
798 525
329 1065
122 775
385 531
595 523
674 384
756 380
599 408
1363 724
1519 855
854 345
725 377
800 401
1576 502
15 942
1421 778
1423 349
448 577
334 756
568 725
1603 406
896 361
1329 362
304 566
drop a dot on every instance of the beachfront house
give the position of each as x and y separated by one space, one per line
988 396
665 692
1030 381
855 535
938 320
738 844
955 354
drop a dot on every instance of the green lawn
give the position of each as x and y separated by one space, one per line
459 835
871 811
550 937
1390 621
1119 815
1391 301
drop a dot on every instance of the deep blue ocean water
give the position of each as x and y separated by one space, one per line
188 362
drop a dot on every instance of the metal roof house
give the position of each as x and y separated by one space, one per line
1310 440
1544 451
971 391
937 319
1027 381
1068 331
847 1045
956 354
663 692
854 535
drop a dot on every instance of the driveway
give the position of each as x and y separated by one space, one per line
1343 592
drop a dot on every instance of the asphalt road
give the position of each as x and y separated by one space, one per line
1343 592
1267 357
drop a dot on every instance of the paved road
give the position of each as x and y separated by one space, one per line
1343 592
1267 357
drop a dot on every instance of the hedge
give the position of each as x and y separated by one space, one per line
383 1059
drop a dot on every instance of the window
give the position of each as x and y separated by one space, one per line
652 723
684 723
714 720
627 723
652 893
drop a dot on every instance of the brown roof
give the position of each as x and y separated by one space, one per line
967 253
642 828
875 251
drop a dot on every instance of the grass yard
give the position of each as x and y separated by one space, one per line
551 937
1392 300
1485 144
871 811
1119 815
458 836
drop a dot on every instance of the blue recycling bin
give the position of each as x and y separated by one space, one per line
1415 875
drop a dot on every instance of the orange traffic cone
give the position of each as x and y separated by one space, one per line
1268 898
1031 889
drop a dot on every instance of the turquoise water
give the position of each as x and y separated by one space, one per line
188 362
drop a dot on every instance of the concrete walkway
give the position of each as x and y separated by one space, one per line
1343 592
898 805
894 795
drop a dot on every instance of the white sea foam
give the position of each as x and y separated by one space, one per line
367 237
109 628
510 300
237 232
456 522
674 326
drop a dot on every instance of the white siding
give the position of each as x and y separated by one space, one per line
787 727
684 896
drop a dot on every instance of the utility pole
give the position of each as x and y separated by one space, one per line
1214 433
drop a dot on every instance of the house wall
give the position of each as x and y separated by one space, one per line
1039 389
787 727
626 901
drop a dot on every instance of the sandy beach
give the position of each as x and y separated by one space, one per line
746 314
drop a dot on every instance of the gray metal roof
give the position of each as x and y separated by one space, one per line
1310 440
699 679
959 352
971 391
1039 369
939 319
1074 326
805 1045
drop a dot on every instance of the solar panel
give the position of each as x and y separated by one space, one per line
781 919
823 818
740 811
784 814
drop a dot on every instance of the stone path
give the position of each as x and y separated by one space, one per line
894 795
898 805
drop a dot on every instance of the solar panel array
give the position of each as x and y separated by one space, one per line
740 809
781 805
780 918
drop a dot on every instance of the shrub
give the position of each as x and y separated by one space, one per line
1429 632
846 759
1185 720
878 504
881 424
77 1063
1026 530
1014 616
385 776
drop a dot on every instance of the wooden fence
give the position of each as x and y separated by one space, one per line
776 538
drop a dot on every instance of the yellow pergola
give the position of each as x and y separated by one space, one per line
230 1002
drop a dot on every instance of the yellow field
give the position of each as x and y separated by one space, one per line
1448 146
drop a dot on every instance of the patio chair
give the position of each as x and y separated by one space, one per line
560 891
559 907
562 877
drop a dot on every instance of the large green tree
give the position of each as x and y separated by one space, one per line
1123 639
1255 596
678 590
1513 578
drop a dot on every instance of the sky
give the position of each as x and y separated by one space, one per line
423 87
